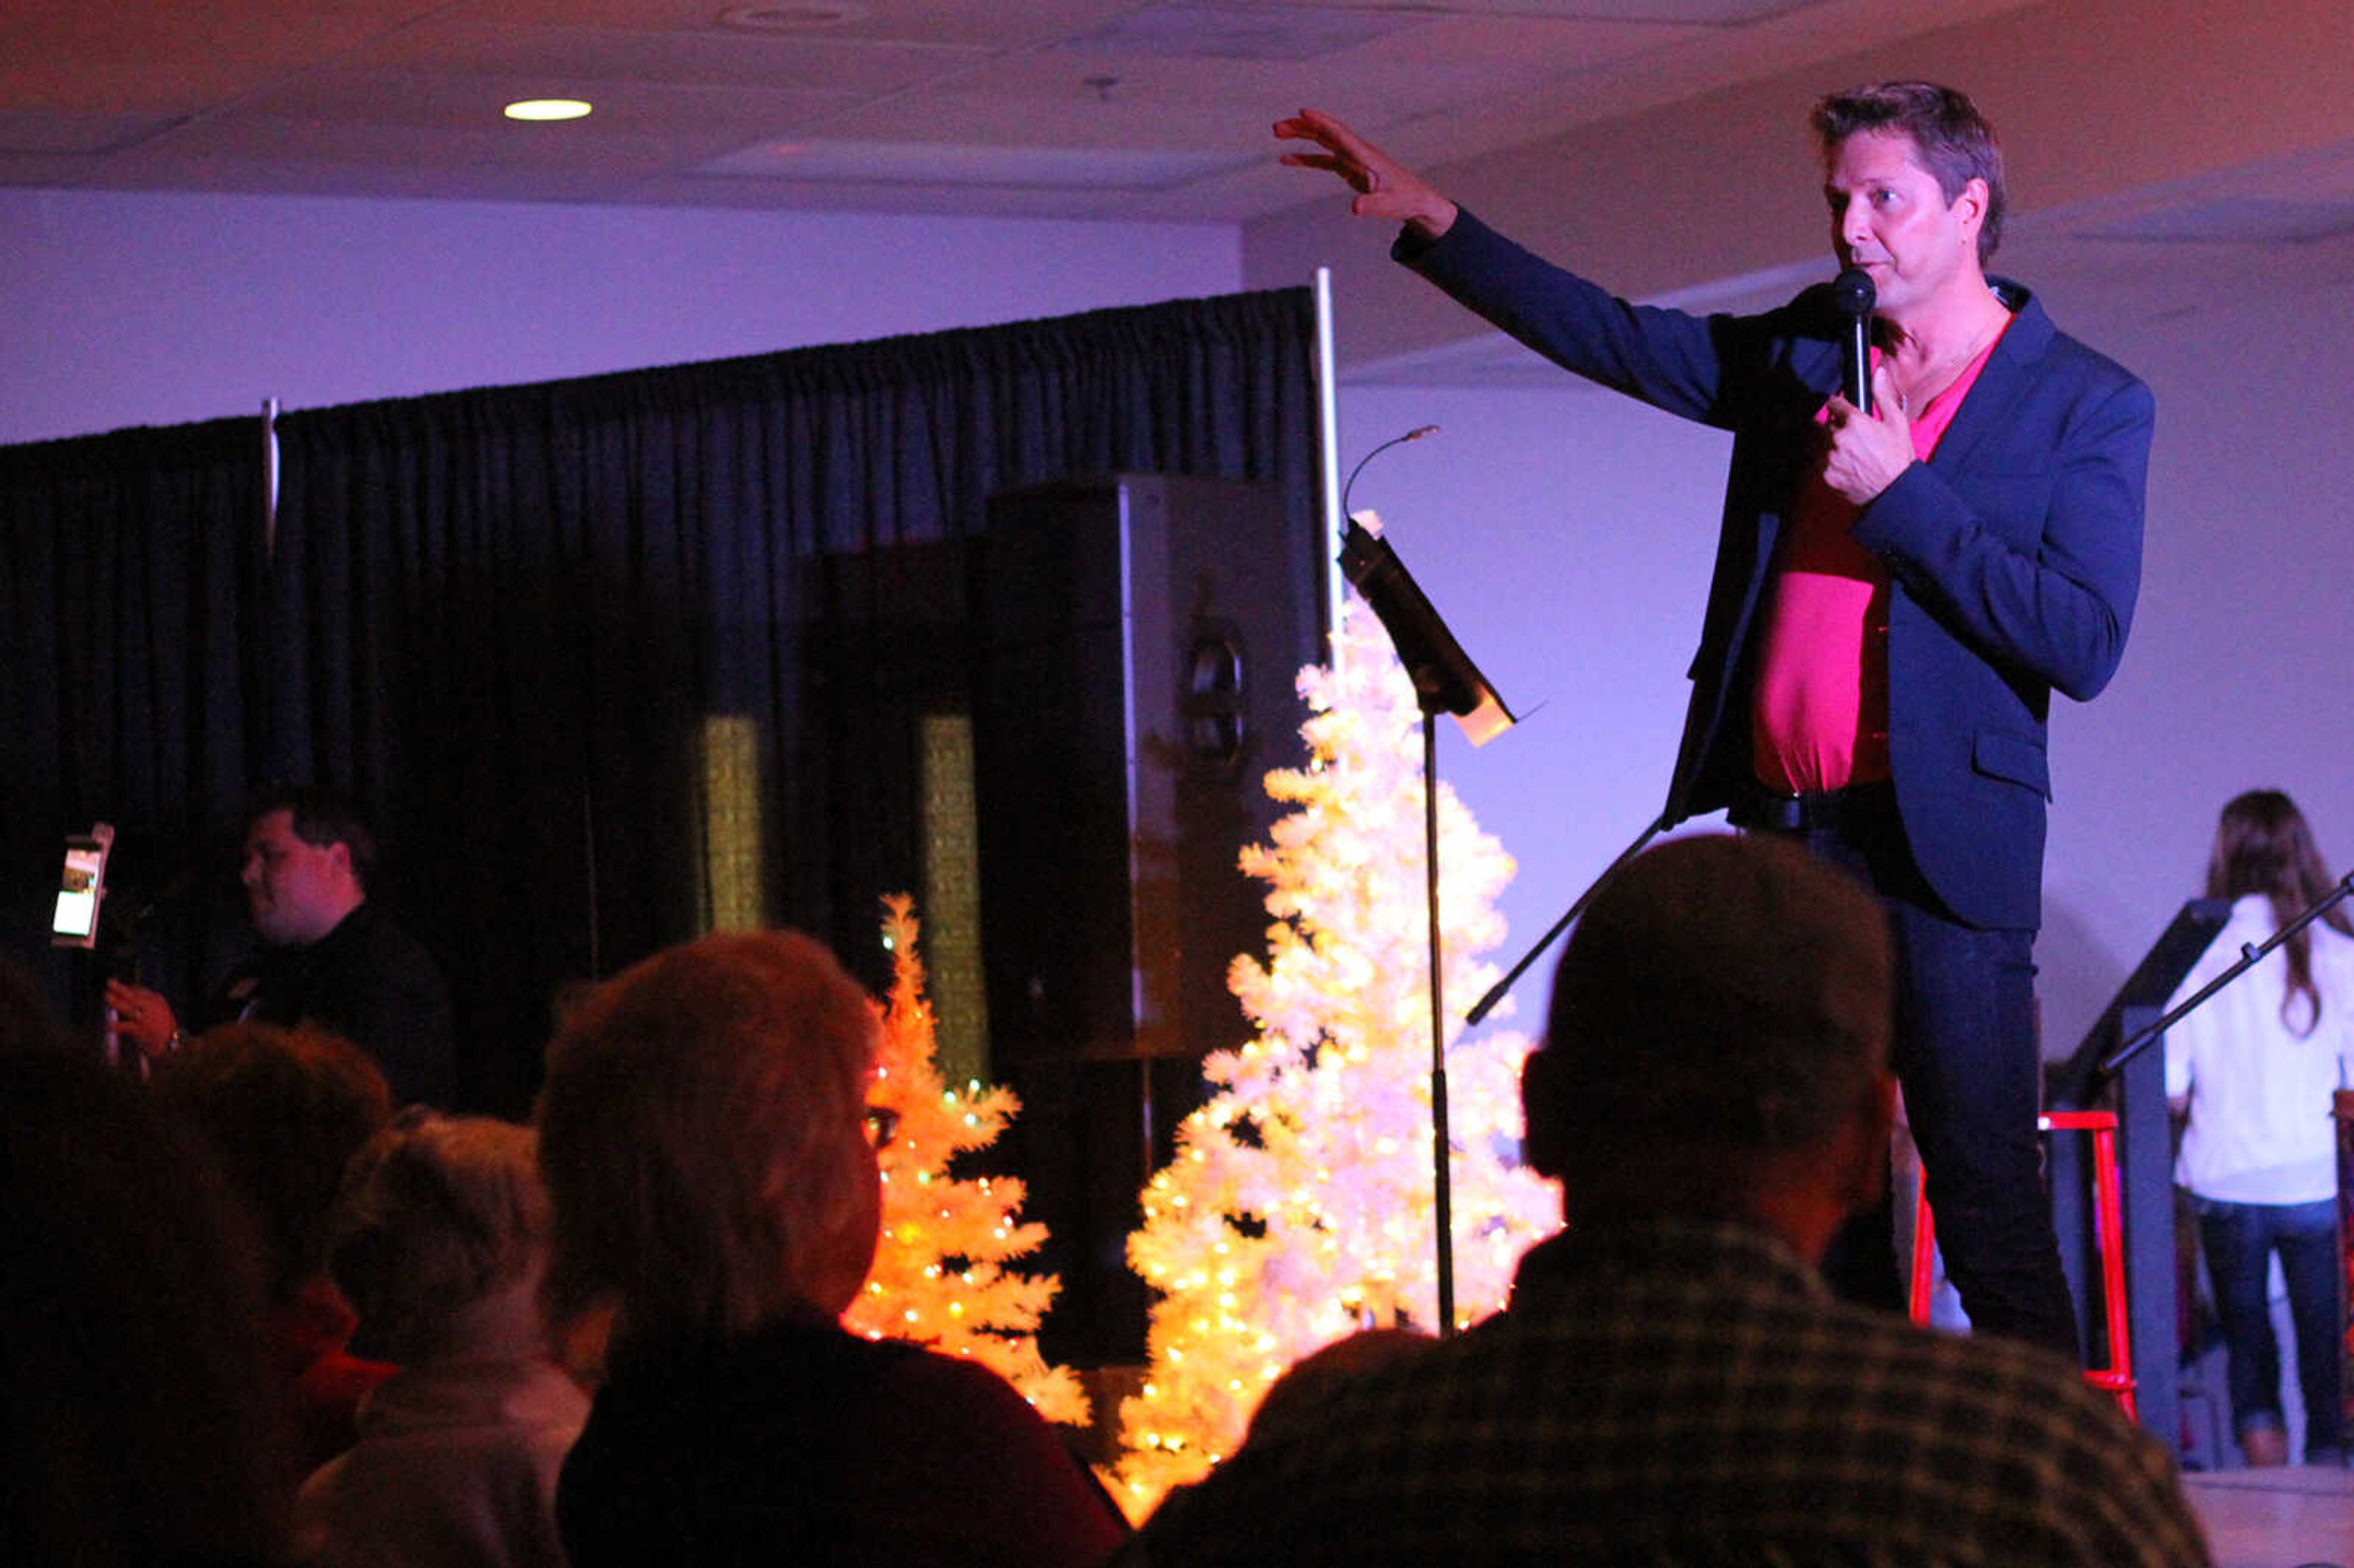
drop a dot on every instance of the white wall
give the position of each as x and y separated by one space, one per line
1567 536
130 309
2238 673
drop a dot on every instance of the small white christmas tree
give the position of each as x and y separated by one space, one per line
1299 1205
940 1277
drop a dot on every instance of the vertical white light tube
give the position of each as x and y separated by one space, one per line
1328 442
270 478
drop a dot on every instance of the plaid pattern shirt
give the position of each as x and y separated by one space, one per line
1682 1393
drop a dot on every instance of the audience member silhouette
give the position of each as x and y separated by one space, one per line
704 1136
1672 1383
285 1109
1307 1384
440 1241
138 1424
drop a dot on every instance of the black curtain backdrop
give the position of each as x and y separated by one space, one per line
502 618
133 611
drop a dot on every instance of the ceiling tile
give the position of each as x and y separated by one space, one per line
140 55
993 24
707 57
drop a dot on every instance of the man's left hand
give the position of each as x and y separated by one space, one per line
1867 450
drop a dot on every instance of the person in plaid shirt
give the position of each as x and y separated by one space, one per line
1671 1382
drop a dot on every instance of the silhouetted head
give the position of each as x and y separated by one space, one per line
285 1109
703 1132
440 1235
1723 1006
140 1422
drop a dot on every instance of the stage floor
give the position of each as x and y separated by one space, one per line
2287 1518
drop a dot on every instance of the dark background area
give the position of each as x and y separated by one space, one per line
501 618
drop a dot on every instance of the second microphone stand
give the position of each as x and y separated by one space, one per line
2249 953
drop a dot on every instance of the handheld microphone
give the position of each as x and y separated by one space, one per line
1413 435
1852 293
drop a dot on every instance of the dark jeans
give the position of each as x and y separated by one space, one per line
2239 1240
1966 1054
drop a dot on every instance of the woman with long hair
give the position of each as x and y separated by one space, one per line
2253 1070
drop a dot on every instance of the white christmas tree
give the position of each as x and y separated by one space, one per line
1299 1204
939 1276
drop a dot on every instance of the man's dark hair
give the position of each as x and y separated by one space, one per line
321 817
1727 993
1956 143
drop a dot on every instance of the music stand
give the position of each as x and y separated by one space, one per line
2120 1045
1444 680
2145 1156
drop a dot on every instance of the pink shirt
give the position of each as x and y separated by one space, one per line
1818 717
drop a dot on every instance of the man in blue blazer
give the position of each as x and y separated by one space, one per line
1896 594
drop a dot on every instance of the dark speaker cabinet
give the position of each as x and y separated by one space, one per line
1140 639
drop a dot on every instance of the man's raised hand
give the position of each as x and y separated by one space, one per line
1385 187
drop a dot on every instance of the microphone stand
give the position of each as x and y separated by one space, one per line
1496 993
2249 953
1444 680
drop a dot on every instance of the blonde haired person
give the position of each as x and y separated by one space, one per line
705 1139
439 1239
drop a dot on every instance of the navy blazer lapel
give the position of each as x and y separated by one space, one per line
2010 371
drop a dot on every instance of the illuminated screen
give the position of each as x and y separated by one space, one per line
77 913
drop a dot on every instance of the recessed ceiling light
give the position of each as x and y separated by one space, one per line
546 108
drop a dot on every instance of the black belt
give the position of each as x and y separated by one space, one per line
1828 809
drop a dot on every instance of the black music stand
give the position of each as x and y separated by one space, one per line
2145 1159
1444 680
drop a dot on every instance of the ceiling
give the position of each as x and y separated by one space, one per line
1096 108
2171 153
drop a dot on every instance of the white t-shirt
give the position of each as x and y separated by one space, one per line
2260 1129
